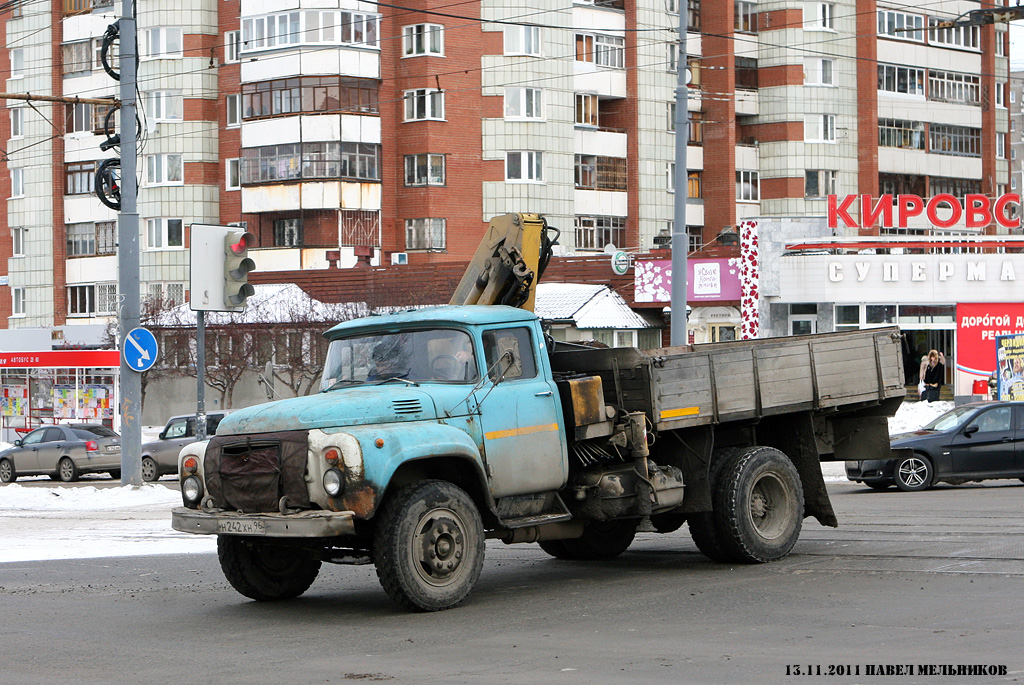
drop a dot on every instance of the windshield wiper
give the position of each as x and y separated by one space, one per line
341 382
397 378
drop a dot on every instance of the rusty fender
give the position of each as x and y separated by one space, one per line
373 454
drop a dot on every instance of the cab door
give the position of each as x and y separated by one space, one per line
520 414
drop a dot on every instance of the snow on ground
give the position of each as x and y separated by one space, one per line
43 523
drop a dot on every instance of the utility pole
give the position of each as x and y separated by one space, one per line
680 237
128 252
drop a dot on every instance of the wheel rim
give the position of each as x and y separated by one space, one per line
913 472
148 469
66 469
438 548
770 512
5 470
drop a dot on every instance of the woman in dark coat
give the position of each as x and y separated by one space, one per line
934 375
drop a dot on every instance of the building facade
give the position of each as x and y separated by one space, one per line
341 131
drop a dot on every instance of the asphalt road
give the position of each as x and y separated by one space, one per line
921 579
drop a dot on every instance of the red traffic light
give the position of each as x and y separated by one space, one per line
241 246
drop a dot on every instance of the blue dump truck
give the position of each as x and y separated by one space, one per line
436 429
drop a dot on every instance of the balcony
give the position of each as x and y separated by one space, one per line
72 7
609 142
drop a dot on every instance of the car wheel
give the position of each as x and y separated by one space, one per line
67 471
149 472
7 472
429 546
878 486
115 475
914 473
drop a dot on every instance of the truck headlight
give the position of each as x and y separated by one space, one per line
191 490
333 482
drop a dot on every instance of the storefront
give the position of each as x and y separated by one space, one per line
57 387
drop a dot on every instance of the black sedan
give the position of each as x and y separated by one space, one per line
974 442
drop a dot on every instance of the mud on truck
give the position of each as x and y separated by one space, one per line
437 429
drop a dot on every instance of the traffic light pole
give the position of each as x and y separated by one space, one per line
128 254
200 376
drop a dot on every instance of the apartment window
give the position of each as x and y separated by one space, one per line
17 62
17 182
358 160
901 133
819 183
18 301
422 39
17 122
424 170
959 36
162 43
523 103
820 128
359 227
233 174
81 300
234 113
693 183
425 234
948 86
164 169
1001 145
957 187
162 234
174 293
76 58
748 187
586 109
310 27
901 184
1001 94
693 15
594 172
79 118
232 46
601 49
595 232
818 72
106 298
106 237
18 242
424 103
961 141
165 105
81 239
1001 43
309 94
746 73
819 16
901 25
79 178
524 166
296 161
745 16
522 40
897 79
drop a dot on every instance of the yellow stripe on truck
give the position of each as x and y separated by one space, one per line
682 411
513 432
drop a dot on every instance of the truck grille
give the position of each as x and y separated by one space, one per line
251 474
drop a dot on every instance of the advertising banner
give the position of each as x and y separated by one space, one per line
1010 356
710 280
978 327
14 400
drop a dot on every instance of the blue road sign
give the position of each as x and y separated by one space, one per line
140 350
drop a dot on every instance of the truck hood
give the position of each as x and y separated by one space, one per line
344 407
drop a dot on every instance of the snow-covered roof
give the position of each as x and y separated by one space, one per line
272 303
586 306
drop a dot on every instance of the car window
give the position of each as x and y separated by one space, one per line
54 435
35 437
212 421
993 420
176 429
86 434
515 340
99 431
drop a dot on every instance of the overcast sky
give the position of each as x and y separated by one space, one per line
1016 45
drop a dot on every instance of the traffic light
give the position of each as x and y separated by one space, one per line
237 266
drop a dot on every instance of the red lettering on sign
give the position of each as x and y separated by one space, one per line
910 205
954 217
979 210
841 211
1002 216
883 207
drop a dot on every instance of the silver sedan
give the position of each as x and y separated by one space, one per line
63 452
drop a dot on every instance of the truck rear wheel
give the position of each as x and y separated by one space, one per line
600 540
265 572
703 525
758 505
429 546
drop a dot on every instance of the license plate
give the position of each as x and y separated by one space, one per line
242 527
113 448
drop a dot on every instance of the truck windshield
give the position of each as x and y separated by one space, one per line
440 355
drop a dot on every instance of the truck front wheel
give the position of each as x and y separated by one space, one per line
265 572
758 505
429 546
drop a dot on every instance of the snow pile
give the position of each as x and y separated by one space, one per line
913 415
15 497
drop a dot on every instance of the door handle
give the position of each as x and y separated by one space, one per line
543 393
1005 440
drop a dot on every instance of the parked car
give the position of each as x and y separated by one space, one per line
974 442
63 452
160 457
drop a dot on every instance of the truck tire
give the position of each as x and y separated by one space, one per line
703 525
600 540
265 572
758 505
428 546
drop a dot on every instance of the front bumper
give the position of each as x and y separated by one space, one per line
871 471
305 524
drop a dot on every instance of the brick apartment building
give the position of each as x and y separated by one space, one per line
337 130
